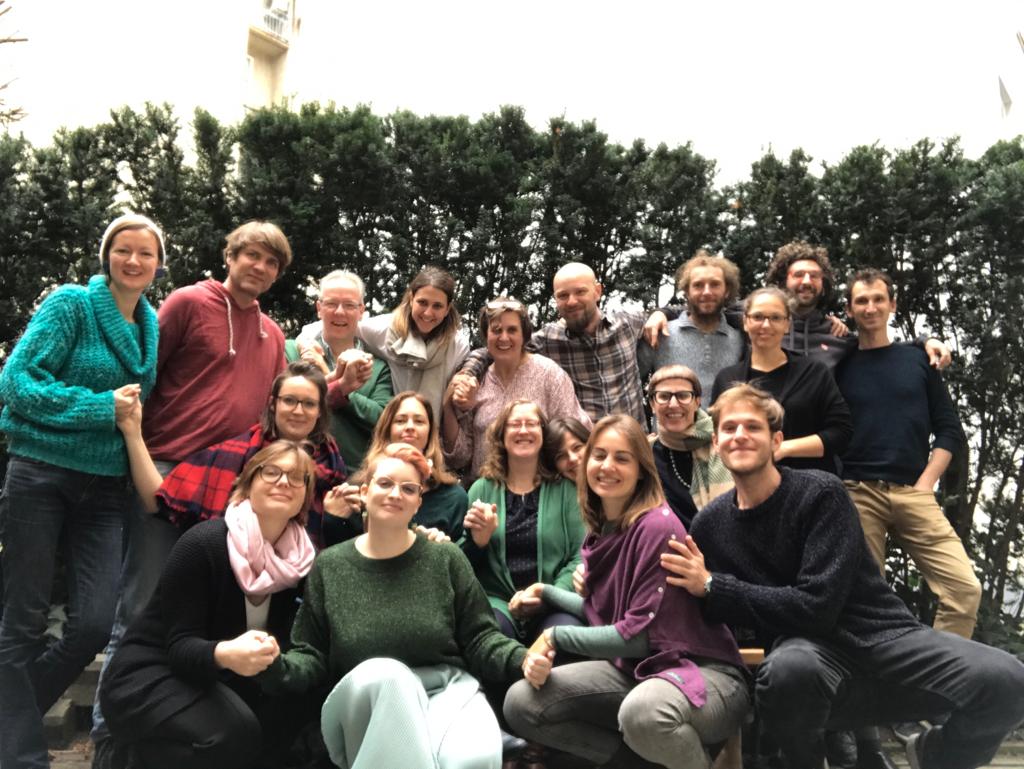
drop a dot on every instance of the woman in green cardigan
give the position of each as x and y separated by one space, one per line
523 523
87 354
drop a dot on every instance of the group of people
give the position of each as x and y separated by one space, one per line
371 543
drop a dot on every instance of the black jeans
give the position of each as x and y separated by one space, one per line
805 686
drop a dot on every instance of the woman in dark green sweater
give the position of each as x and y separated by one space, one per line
405 630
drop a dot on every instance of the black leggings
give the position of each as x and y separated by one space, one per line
218 731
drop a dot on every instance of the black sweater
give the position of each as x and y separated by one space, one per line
797 565
165 662
898 402
813 404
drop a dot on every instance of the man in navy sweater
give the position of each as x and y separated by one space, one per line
783 554
898 402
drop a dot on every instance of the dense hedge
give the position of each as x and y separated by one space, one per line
502 205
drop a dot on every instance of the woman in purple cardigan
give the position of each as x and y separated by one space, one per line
661 680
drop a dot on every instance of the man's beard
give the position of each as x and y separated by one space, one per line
694 311
579 322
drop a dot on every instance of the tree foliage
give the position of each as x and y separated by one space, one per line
502 205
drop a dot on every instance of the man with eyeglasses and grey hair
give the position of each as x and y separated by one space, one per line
358 384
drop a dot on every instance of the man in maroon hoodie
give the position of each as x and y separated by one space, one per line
218 356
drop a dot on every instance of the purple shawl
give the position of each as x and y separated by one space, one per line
628 589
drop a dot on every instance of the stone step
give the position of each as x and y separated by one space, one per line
60 722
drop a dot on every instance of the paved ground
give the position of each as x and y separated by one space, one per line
68 727
78 755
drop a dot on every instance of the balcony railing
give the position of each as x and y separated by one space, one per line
277 23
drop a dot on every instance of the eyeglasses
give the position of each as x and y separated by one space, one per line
665 397
272 474
518 424
291 402
331 306
407 488
504 305
757 318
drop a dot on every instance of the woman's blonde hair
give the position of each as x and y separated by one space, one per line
429 277
439 473
648 492
265 456
495 464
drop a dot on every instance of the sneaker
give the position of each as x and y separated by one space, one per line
915 749
841 749
107 754
873 757
904 730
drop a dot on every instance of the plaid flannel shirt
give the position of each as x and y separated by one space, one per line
198 488
603 367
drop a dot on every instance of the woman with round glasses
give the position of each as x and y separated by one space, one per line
515 373
659 682
523 524
180 692
817 426
691 472
402 630
198 488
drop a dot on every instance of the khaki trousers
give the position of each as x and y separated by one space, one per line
917 523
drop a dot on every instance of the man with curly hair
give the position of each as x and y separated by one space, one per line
806 273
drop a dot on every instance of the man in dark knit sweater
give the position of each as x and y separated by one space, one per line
898 402
784 555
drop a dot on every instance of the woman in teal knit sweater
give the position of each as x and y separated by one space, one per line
523 524
86 354
402 630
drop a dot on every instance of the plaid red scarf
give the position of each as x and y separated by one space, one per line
199 487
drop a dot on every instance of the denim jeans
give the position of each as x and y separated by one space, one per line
149 541
42 507
805 686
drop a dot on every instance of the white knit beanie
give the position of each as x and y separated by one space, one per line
131 220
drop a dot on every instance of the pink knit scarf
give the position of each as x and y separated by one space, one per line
262 567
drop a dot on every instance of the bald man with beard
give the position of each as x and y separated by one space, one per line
597 349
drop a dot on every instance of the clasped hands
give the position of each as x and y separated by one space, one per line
248 654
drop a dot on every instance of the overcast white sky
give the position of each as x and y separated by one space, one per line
735 78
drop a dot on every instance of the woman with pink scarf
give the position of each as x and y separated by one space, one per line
179 693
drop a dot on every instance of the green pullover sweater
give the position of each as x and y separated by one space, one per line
421 608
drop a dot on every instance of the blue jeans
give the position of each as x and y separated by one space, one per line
806 686
43 506
149 541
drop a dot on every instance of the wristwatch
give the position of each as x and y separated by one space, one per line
707 585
